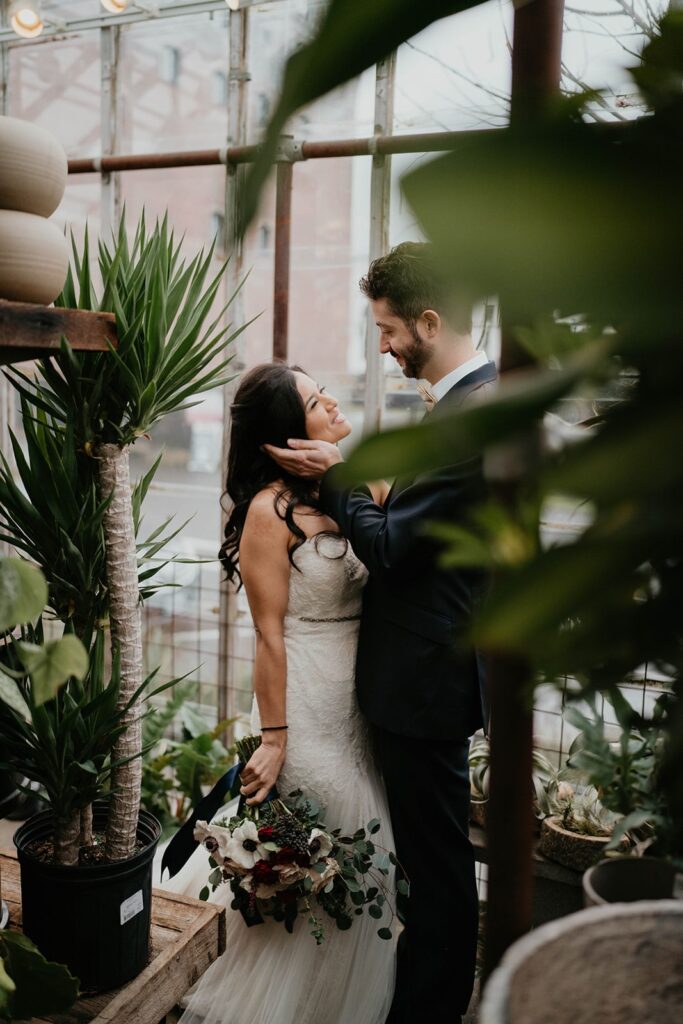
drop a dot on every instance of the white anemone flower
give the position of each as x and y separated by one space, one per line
214 837
319 844
244 847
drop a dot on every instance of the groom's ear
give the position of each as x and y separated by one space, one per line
431 322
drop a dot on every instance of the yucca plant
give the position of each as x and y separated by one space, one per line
168 353
51 511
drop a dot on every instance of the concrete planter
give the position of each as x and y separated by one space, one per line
34 258
572 849
627 879
610 964
33 168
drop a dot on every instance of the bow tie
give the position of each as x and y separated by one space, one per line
427 395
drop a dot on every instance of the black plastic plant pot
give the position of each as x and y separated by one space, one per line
96 918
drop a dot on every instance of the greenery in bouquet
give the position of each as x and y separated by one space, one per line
282 861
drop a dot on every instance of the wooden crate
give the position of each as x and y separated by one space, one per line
187 936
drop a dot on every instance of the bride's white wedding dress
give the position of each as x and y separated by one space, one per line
267 976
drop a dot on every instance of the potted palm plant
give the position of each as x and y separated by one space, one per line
88 409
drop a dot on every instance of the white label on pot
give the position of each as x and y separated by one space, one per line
132 906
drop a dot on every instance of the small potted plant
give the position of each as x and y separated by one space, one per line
543 775
580 828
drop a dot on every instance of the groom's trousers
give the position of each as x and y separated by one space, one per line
428 789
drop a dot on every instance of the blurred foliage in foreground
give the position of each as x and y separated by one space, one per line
576 228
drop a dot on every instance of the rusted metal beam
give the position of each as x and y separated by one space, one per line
283 225
537 41
29 331
426 142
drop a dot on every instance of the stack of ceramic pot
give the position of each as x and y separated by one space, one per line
34 256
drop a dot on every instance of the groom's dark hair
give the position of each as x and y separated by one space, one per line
410 280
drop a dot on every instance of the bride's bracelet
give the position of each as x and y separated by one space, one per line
273 728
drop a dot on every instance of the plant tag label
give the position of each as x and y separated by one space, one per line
132 906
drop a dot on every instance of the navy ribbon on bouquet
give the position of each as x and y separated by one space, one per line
183 844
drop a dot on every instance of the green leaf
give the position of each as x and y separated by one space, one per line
42 987
375 911
11 694
374 826
451 439
52 664
204 893
384 933
403 887
23 592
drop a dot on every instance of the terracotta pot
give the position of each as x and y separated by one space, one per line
34 258
613 964
33 168
572 849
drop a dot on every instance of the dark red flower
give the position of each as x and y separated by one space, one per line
287 855
266 833
263 873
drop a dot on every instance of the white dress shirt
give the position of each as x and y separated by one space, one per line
443 386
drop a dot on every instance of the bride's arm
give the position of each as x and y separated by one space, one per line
265 568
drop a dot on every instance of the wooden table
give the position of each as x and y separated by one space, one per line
187 936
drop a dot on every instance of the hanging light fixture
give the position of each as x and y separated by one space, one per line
115 6
26 18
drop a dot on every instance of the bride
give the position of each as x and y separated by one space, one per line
304 586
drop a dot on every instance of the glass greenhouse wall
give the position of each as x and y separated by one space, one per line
154 85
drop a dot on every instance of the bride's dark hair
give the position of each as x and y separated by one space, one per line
267 410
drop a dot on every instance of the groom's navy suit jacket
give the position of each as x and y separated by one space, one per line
416 674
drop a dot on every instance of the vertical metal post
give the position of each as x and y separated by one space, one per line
283 226
537 43
238 77
110 186
7 406
380 205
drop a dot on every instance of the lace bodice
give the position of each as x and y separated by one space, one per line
327 584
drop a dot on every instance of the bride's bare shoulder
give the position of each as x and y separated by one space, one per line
265 518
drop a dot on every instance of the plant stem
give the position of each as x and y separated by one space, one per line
126 637
67 834
86 826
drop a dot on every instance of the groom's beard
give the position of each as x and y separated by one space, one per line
417 355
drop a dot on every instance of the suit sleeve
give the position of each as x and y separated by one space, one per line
393 537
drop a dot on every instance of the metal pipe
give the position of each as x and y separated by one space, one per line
110 183
238 78
537 41
380 205
283 225
426 142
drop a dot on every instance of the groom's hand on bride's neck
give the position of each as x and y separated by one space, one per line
309 459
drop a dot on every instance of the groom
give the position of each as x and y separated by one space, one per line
419 683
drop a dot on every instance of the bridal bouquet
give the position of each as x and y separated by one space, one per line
282 861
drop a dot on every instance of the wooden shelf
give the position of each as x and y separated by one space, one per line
28 331
187 936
